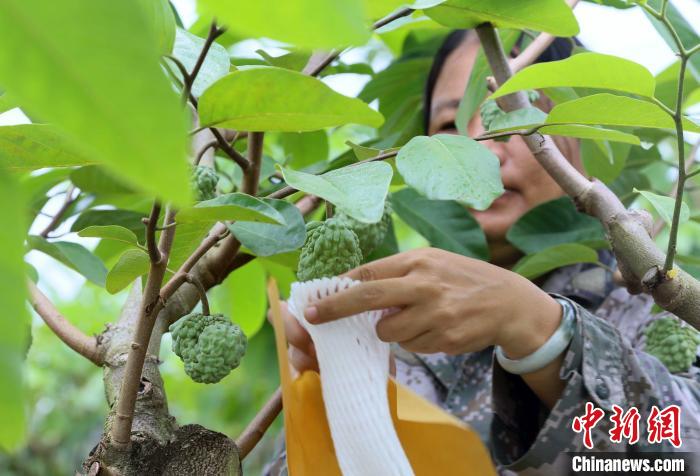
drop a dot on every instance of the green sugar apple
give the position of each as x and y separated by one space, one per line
331 248
370 235
210 346
204 180
673 344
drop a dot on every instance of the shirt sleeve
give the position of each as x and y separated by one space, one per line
602 367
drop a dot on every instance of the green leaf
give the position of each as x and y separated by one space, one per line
551 16
589 132
125 218
358 190
73 255
304 149
187 49
277 99
16 322
613 110
388 247
306 23
294 60
445 224
28 147
451 167
91 68
187 239
159 16
242 296
98 180
380 8
558 256
602 160
584 70
263 239
665 205
518 119
233 207
110 232
132 264
554 223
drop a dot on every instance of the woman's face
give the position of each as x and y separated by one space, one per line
525 181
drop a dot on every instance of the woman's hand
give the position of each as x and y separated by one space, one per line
445 302
302 354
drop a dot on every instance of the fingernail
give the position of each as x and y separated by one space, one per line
311 314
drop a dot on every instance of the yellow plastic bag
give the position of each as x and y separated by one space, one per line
435 442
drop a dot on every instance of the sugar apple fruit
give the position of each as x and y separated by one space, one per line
331 248
370 235
210 346
673 344
204 180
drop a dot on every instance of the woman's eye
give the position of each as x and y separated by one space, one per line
448 127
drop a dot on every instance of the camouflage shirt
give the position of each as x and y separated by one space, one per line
604 365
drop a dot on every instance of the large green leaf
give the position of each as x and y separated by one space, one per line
92 69
73 255
125 218
552 16
613 110
264 239
358 190
306 23
584 70
187 238
665 205
277 99
131 264
445 224
451 167
35 146
558 256
15 324
476 90
160 17
590 132
110 232
233 207
216 64
554 223
242 297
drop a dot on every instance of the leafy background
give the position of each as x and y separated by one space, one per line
65 391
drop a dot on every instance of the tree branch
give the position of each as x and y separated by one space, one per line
88 347
58 216
251 176
120 433
660 223
189 79
151 227
640 261
258 426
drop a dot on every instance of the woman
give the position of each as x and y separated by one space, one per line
453 311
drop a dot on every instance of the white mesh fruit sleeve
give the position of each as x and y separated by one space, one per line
354 367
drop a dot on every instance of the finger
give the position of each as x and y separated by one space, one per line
301 361
396 292
423 343
401 326
394 266
296 334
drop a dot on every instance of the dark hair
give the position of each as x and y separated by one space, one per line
559 49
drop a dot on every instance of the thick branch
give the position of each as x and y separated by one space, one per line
151 227
640 261
256 429
73 337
